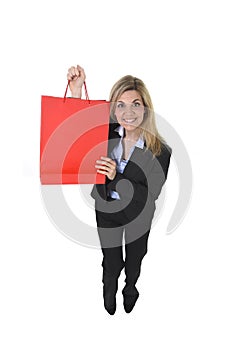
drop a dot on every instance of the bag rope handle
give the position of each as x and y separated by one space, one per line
85 88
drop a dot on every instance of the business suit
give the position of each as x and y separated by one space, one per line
138 187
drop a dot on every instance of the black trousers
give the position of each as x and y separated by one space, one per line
112 228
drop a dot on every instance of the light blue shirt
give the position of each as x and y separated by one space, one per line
117 154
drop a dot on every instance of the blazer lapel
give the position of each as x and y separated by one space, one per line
140 157
113 138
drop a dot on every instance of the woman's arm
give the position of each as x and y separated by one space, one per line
76 77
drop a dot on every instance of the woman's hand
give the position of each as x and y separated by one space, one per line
106 166
76 76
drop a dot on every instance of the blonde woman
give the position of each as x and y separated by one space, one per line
136 169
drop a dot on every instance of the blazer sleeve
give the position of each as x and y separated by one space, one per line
152 187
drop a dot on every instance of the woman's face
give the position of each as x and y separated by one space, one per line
129 110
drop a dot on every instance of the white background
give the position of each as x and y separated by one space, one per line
51 289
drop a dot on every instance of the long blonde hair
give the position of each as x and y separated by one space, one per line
150 133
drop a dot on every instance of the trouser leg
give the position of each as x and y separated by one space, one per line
134 253
112 264
111 244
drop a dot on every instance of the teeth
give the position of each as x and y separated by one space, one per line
129 120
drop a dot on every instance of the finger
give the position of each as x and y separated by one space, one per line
76 71
70 70
103 162
108 159
111 161
103 167
71 76
71 73
102 172
109 175
79 68
107 164
81 72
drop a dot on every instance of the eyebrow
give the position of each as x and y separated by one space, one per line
137 99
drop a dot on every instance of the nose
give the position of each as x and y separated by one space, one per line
128 109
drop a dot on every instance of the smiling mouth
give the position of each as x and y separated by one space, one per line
130 120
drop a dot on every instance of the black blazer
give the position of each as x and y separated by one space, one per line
144 177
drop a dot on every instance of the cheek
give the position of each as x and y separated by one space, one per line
139 121
141 116
118 118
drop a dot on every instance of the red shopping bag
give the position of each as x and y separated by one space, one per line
74 134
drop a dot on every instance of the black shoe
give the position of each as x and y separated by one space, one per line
129 302
111 309
109 294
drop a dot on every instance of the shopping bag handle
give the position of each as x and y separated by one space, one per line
85 88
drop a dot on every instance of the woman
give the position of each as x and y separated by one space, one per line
136 169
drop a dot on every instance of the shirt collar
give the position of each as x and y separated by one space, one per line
140 142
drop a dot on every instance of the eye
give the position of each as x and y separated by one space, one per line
136 104
120 105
